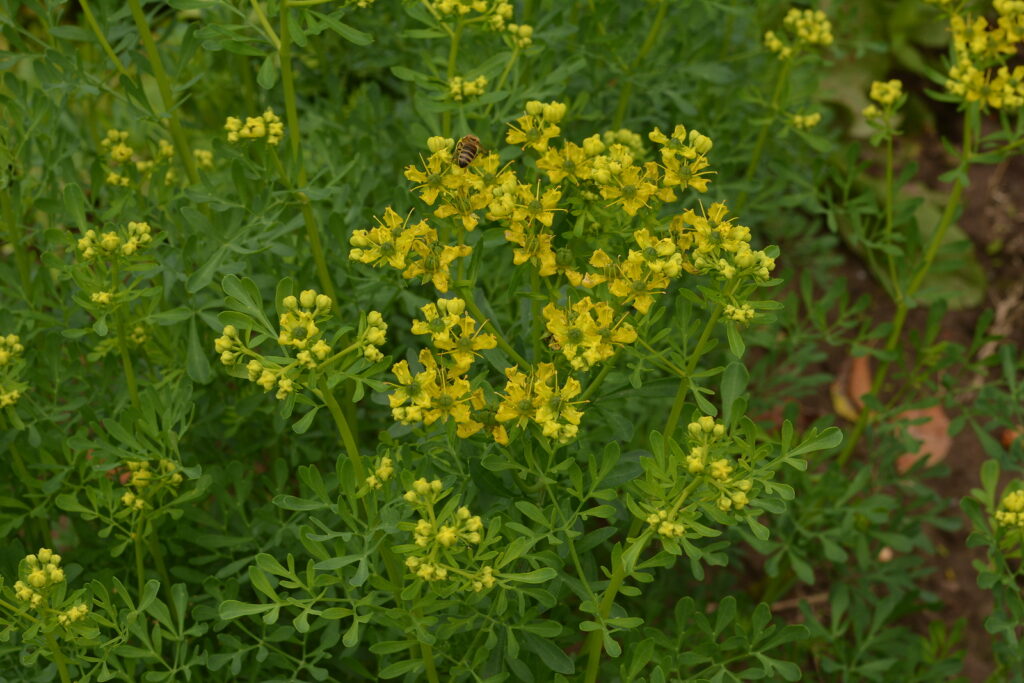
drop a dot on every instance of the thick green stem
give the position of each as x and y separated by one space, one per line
58 658
902 305
21 256
762 136
594 644
536 323
181 145
627 85
347 438
295 145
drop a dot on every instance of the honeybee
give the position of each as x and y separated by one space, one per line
466 150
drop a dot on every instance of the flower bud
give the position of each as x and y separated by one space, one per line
534 107
307 298
554 112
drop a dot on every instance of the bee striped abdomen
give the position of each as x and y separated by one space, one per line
466 150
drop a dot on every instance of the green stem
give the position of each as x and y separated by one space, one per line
762 136
536 324
889 203
502 78
94 25
140 565
58 658
627 85
347 438
467 296
181 145
295 144
126 361
608 366
265 24
594 645
428 662
902 306
453 53
21 256
161 568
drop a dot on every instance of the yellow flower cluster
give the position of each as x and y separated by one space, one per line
11 349
586 332
112 244
460 88
73 614
590 326
980 71
413 249
1011 510
299 331
145 481
38 574
806 121
539 398
718 246
268 125
442 541
806 29
437 393
381 473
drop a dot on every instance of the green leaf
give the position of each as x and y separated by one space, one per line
734 383
830 438
350 34
74 204
533 512
302 425
552 656
196 363
736 345
267 76
232 609
536 576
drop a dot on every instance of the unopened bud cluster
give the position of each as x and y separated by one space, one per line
300 331
266 125
38 573
148 481
11 367
804 29
443 541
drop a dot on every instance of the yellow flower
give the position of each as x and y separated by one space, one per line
586 332
629 189
431 177
568 162
518 402
531 205
557 414
532 130
462 348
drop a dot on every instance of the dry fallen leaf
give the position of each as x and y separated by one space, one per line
933 435
852 382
